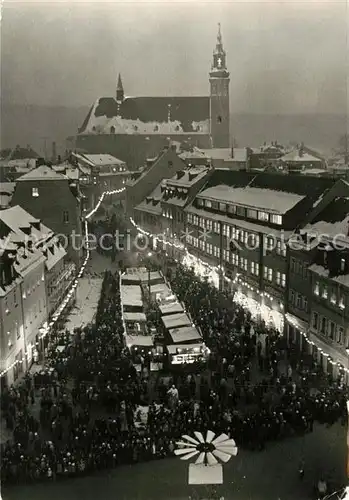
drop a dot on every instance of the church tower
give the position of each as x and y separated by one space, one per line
219 97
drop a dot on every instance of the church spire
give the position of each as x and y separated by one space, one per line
119 90
219 37
219 55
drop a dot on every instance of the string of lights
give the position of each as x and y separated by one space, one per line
45 329
238 280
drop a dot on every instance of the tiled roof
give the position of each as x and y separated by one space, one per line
16 218
149 115
42 173
332 221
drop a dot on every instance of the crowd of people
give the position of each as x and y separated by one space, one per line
89 396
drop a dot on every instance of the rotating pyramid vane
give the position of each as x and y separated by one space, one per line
210 451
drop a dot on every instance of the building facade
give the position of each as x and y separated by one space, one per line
33 282
56 200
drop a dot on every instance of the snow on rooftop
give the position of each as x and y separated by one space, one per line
118 125
258 198
16 219
185 334
176 320
131 295
103 159
42 173
173 308
329 230
342 279
297 156
225 154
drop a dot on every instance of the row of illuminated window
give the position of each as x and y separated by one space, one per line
241 211
277 276
328 328
271 243
170 214
167 212
330 293
298 300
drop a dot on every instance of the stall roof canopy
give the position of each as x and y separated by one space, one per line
161 288
173 308
134 316
176 320
173 348
185 334
139 340
131 295
152 276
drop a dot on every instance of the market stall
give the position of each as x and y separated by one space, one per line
135 322
184 334
131 298
187 353
176 320
171 308
159 291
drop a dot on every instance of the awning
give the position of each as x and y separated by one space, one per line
139 340
135 316
298 323
173 349
185 334
131 295
173 308
176 320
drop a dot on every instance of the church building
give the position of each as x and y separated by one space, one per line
135 128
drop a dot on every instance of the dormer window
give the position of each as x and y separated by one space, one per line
177 128
112 129
156 128
35 192
135 127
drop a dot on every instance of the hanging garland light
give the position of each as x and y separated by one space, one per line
45 330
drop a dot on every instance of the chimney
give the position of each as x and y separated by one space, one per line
232 151
54 152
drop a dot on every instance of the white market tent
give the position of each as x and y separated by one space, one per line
135 270
173 308
173 348
185 334
176 320
131 295
150 276
139 340
135 316
128 279
162 289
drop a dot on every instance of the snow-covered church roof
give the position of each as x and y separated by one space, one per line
148 115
